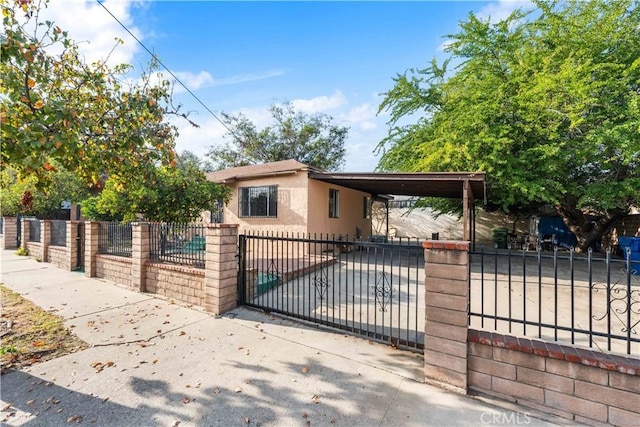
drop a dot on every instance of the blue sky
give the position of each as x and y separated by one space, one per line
335 58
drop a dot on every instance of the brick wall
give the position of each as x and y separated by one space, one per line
582 385
58 256
114 268
9 236
35 249
174 281
586 386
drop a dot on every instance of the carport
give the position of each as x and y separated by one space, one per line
468 186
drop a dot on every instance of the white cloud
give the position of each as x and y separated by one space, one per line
365 126
499 10
320 104
91 26
361 113
194 81
444 45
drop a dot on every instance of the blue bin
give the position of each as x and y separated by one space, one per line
633 244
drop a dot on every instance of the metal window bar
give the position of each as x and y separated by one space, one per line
58 232
34 230
586 299
174 243
367 288
115 238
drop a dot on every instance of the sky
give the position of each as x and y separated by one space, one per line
335 58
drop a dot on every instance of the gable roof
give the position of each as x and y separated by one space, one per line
258 171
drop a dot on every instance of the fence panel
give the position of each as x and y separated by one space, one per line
34 230
115 238
58 232
587 299
182 244
370 288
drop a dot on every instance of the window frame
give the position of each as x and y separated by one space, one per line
334 203
366 207
245 204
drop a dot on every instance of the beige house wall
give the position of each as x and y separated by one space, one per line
351 212
292 205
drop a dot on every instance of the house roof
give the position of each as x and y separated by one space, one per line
427 184
258 171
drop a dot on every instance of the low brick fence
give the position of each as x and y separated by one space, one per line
63 255
9 233
583 385
213 287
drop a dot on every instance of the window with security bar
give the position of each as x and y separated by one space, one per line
334 203
259 202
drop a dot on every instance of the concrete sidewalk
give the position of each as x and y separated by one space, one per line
173 365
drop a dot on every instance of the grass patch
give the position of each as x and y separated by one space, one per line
31 334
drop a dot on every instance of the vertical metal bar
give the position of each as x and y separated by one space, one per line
524 301
509 284
242 269
590 283
629 307
572 281
495 287
608 260
555 293
539 254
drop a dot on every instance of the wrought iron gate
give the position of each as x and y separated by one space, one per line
374 289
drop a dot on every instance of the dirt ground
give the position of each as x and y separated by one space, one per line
30 334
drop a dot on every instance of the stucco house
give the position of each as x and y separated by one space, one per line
282 197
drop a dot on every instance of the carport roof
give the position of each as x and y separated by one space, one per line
427 184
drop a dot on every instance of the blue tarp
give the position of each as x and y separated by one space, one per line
553 225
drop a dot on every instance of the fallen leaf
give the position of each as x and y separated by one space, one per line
237 390
176 423
333 421
58 410
29 402
74 419
247 381
5 408
304 415
185 400
305 370
182 333
154 361
315 399
247 420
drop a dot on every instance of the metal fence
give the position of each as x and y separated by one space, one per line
587 299
34 230
115 238
1 225
182 244
58 232
369 288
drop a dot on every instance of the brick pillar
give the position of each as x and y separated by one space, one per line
221 268
139 255
10 232
45 238
25 233
72 245
446 312
91 231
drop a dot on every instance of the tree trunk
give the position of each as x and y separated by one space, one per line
588 233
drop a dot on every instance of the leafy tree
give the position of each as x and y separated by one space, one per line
310 139
178 194
58 112
23 196
547 103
